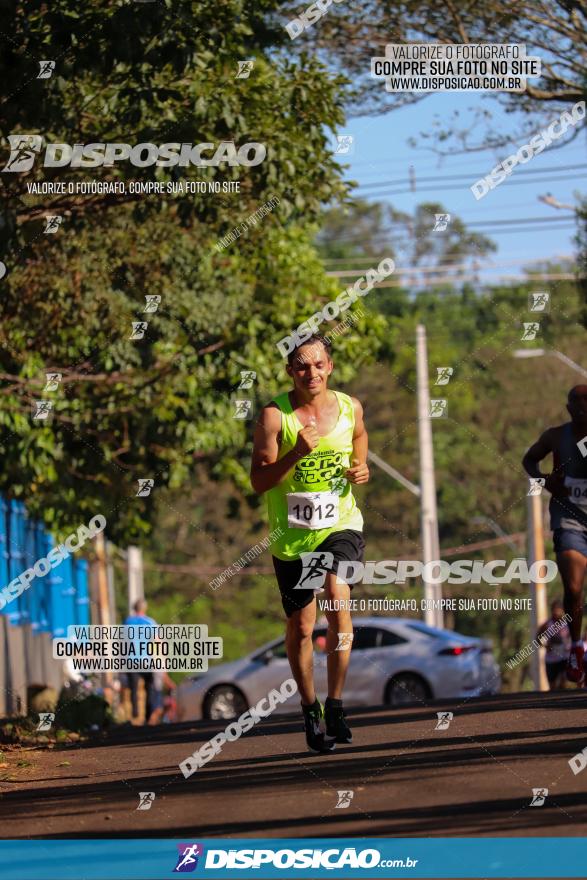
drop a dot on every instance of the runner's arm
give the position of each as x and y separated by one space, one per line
359 472
267 470
536 453
553 482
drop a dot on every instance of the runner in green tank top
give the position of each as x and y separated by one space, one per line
310 446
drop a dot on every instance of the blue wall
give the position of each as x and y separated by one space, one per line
53 602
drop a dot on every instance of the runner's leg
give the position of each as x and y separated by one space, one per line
571 565
339 621
300 650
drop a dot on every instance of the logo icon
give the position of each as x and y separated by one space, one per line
146 799
530 330
344 799
243 409
536 485
345 641
46 719
582 446
145 487
539 795
245 68
441 222
23 150
152 301
188 855
338 485
315 567
42 409
444 374
138 329
444 719
52 381
247 379
344 144
539 302
52 223
46 68
438 409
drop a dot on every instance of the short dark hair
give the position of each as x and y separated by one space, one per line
315 337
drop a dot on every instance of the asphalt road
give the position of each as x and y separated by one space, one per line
407 779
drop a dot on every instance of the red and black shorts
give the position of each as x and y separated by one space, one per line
300 579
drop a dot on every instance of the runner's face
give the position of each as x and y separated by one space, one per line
577 405
310 368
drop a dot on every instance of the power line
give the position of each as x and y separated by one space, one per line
452 188
523 171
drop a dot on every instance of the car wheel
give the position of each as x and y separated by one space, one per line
223 703
405 689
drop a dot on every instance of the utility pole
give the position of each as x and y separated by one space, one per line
538 604
428 513
136 589
103 599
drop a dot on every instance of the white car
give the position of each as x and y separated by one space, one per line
394 661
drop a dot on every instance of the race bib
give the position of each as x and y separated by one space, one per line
312 510
577 491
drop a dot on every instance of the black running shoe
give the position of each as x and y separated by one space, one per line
314 727
336 726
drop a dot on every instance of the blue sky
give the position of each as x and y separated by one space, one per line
382 153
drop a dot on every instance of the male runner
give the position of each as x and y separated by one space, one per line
568 512
310 445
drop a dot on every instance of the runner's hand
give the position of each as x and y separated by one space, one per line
358 473
307 439
555 484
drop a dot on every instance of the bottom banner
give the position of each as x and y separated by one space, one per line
139 859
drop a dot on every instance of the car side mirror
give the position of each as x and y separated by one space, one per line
267 657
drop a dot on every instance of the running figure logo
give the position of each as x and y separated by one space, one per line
345 641
344 799
344 144
138 329
42 409
530 331
23 150
46 719
536 484
438 409
444 719
444 374
338 485
539 301
46 68
315 567
247 379
245 68
52 223
53 380
146 799
187 860
243 409
152 301
441 222
539 795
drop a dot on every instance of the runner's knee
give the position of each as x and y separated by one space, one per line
300 627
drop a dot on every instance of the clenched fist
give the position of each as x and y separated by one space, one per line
358 473
307 439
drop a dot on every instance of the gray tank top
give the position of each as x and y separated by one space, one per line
574 467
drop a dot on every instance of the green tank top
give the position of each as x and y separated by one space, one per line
314 499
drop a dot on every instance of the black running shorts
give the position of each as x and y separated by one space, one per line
347 545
